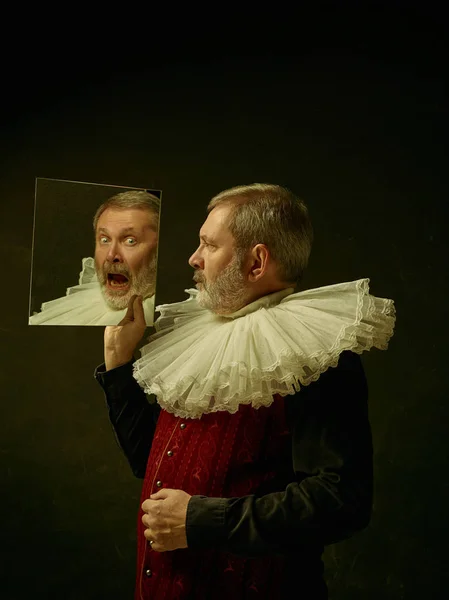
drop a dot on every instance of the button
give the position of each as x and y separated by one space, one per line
148 572
183 425
159 483
169 453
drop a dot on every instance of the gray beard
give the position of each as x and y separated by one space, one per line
226 293
142 284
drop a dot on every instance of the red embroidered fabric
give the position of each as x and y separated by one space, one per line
220 455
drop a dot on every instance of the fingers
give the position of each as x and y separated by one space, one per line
134 312
151 537
161 494
138 311
148 535
153 544
129 316
152 515
151 507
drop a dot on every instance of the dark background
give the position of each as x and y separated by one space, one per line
347 107
63 234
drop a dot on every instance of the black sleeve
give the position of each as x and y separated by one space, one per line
132 416
333 461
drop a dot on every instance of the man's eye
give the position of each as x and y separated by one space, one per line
131 241
103 240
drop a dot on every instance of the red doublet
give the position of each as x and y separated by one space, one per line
219 455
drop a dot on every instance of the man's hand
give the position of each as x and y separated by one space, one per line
121 340
165 519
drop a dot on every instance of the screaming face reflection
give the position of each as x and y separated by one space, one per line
126 254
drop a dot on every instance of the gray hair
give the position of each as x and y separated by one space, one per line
269 214
131 199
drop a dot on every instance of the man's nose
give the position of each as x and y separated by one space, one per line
114 254
196 260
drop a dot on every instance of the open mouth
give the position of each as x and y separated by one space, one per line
117 281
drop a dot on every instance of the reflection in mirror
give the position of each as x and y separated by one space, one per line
94 247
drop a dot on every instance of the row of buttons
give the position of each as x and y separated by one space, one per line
169 453
149 572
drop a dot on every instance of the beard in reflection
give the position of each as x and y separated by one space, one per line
118 284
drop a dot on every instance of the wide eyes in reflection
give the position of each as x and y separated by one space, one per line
130 241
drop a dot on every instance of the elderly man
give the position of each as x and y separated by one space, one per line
126 236
257 452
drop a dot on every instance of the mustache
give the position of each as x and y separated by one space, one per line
116 268
198 277
107 268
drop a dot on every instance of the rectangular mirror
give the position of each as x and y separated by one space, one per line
94 246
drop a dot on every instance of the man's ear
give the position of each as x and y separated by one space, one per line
259 259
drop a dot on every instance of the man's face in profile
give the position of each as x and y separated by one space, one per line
125 254
218 269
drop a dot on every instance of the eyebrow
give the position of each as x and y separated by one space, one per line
207 239
124 231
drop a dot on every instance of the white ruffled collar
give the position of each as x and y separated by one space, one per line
199 362
263 302
84 304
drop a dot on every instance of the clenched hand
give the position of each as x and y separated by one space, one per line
165 519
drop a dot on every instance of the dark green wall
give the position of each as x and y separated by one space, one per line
360 136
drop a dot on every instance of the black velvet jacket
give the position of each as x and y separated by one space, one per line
331 497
